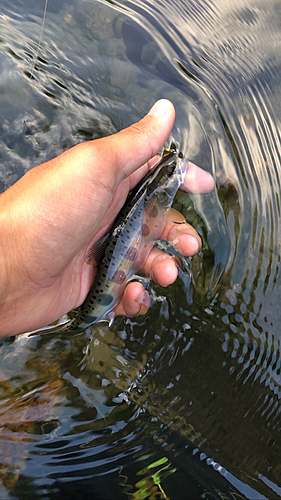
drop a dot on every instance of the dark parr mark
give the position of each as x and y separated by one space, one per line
145 230
132 253
153 211
105 299
119 277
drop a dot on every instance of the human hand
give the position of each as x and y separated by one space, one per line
54 213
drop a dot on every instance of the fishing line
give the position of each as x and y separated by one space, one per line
36 54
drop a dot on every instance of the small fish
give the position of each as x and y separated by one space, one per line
138 226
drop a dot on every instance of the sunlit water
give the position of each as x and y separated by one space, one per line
185 402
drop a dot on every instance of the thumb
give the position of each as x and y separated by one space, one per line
130 148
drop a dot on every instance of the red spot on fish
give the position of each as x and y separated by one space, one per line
151 210
119 277
132 253
145 230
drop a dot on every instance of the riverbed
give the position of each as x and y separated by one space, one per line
183 403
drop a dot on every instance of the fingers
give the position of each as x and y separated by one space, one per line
135 301
197 181
124 152
162 268
181 234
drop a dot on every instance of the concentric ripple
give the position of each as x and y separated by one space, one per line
185 402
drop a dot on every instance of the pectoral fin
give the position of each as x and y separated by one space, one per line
95 253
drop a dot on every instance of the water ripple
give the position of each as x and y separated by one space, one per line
190 394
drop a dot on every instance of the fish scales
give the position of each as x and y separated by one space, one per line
137 227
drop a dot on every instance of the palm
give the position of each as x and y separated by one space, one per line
79 274
65 286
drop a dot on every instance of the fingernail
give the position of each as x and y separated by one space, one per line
144 299
160 107
184 241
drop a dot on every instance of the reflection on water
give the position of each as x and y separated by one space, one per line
184 403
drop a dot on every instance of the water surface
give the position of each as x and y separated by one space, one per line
185 402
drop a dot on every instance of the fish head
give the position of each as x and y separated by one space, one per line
169 177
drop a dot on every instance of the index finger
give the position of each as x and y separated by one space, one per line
197 180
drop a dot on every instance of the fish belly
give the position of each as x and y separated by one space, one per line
122 260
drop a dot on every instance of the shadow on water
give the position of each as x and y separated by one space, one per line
184 403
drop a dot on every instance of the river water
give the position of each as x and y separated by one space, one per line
183 403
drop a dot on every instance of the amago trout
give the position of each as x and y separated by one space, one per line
138 226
